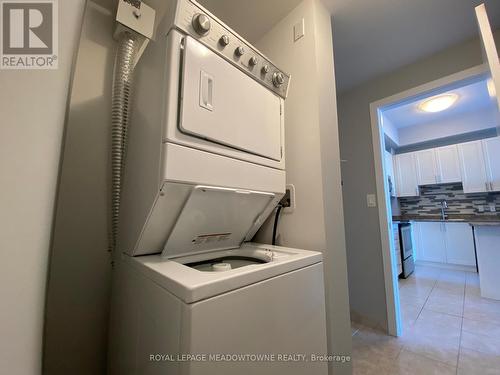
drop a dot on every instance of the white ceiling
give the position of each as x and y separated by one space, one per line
373 37
473 97
250 18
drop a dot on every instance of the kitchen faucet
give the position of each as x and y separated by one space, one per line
444 206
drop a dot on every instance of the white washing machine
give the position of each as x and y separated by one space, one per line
204 169
189 315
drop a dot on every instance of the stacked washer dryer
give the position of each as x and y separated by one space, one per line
205 167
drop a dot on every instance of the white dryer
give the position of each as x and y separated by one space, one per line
207 111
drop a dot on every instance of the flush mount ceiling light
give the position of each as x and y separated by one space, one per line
438 103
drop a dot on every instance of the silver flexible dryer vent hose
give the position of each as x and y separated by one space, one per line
120 115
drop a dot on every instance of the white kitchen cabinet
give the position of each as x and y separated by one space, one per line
459 244
426 167
472 165
491 149
406 175
432 242
440 242
448 164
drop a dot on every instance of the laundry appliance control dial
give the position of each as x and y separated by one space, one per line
239 51
201 23
278 79
224 40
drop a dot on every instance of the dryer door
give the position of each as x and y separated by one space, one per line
222 104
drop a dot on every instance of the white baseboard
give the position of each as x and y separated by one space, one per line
456 267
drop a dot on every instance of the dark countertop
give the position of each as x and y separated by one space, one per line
471 219
484 223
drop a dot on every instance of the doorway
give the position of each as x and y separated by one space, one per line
388 192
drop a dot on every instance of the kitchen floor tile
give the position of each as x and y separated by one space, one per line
481 327
446 301
409 363
430 318
485 344
472 362
409 314
436 338
377 343
478 308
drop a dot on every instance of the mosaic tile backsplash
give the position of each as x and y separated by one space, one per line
431 196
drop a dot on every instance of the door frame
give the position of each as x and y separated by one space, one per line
394 325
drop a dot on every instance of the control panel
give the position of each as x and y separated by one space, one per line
222 40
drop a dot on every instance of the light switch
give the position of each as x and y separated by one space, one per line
371 200
298 30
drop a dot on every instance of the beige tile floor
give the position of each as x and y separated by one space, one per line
448 328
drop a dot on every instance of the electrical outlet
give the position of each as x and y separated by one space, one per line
492 207
288 200
480 208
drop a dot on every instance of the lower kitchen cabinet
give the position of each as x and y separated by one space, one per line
459 244
448 243
432 242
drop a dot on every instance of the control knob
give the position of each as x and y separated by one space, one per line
265 69
253 61
224 40
201 23
278 79
239 51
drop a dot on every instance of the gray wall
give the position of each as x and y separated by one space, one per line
313 159
364 252
32 106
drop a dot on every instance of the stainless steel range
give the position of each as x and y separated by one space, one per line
406 241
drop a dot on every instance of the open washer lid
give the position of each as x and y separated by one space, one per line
215 219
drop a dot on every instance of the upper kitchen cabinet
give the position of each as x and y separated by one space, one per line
438 165
426 167
474 178
491 148
406 175
448 164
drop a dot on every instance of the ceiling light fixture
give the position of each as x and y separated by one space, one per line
438 103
